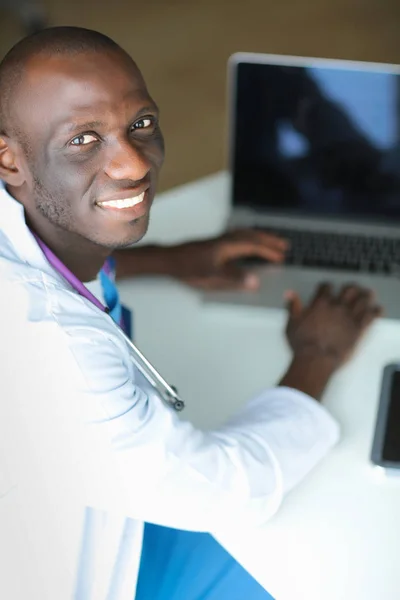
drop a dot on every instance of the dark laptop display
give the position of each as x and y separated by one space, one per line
317 141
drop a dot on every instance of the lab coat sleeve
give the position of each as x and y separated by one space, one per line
153 466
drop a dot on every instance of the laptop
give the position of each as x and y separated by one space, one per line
314 156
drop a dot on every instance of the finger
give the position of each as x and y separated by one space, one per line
239 278
348 293
231 251
223 284
323 292
363 302
214 283
229 278
269 239
258 236
294 304
251 282
248 283
370 316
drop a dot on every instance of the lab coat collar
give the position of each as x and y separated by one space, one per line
16 239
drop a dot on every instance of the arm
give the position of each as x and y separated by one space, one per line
309 373
145 260
153 466
158 468
207 264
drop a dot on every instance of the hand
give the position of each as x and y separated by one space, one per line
324 334
210 264
332 325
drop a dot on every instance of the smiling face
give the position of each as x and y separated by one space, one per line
89 150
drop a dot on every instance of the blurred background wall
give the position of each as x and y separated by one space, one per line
182 47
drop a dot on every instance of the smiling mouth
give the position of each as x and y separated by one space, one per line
121 204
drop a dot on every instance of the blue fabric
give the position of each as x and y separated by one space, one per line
120 314
185 565
127 321
175 564
110 291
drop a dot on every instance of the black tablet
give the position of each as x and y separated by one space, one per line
386 445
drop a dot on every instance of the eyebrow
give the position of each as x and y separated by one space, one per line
74 127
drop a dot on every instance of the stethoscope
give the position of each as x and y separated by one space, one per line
167 392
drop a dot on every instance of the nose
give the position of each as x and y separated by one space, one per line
127 162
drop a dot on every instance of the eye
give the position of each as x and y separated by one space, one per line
84 139
145 123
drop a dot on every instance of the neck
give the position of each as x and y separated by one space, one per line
86 270
83 258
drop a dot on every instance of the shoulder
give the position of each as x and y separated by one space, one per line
58 338
54 322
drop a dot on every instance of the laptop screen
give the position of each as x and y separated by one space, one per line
317 140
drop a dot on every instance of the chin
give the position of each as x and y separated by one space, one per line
138 231
116 230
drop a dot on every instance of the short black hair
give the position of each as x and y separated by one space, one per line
68 41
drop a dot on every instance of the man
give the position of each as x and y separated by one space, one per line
88 451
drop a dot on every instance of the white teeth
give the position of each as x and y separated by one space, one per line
127 203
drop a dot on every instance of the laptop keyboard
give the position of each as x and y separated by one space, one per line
343 252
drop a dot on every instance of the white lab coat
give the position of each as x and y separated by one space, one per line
88 452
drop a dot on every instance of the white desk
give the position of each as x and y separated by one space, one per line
336 537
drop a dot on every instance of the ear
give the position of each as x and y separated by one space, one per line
11 170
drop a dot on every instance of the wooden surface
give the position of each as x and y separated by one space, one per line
182 48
